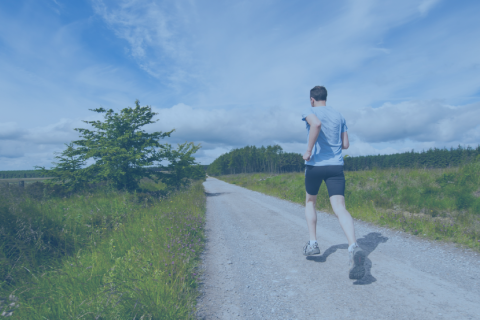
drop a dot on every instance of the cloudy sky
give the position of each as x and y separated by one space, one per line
226 74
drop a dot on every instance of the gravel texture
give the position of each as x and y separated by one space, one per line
253 267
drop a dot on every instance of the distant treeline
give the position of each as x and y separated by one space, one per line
10 174
273 159
162 168
252 159
432 158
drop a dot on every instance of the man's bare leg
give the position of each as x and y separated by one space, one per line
344 217
311 216
356 255
311 248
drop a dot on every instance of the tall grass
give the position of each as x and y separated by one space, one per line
105 255
441 204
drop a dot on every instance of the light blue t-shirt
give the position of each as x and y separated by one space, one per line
327 150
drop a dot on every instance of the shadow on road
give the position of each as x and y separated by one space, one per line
368 243
326 253
215 194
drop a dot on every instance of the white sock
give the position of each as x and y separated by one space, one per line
312 242
352 246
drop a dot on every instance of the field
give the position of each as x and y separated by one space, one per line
439 204
17 180
100 255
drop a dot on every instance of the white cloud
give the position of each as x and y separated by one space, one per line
155 34
218 53
231 127
362 148
10 130
207 156
420 121
22 148
427 5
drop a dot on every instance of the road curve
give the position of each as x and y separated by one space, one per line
254 268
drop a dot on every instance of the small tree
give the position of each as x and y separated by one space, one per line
182 165
121 152
67 169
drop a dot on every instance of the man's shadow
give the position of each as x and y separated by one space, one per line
215 194
368 243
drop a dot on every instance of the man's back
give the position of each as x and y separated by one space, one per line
328 147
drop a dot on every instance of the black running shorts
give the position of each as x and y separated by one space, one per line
333 176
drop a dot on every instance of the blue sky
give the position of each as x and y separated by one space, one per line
405 74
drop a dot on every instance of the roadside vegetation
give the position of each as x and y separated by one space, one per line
440 204
114 234
102 255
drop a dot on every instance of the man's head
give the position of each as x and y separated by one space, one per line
318 96
319 93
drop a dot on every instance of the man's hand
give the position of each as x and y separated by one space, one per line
307 155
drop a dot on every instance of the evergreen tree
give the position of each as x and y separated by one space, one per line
121 152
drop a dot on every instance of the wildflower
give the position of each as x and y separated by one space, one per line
173 262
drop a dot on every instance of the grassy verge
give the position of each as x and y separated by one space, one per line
107 255
440 204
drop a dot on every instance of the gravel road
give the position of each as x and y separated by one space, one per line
254 267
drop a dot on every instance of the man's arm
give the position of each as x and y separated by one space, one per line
345 142
315 127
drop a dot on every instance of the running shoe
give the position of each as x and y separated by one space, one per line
311 249
357 263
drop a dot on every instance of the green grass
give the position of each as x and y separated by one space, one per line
105 255
440 204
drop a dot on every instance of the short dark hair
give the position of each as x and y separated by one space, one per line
319 93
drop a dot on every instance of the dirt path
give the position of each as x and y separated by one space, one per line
254 268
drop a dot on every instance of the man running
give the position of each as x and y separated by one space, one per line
327 136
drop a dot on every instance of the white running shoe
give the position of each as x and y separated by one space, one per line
311 249
357 263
